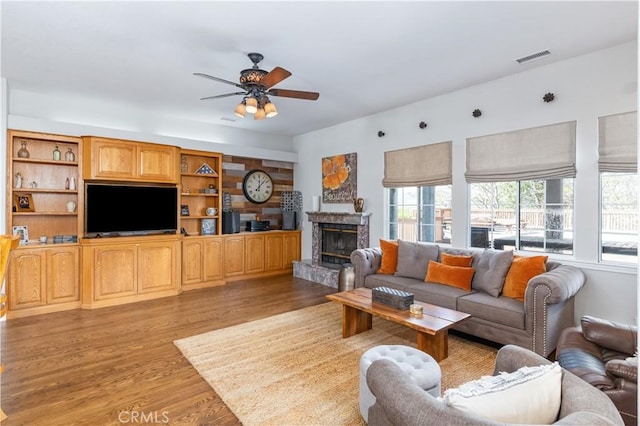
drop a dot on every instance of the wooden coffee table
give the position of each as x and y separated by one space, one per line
431 327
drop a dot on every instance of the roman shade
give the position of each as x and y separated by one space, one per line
426 165
618 143
546 152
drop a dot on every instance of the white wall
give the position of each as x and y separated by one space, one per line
585 87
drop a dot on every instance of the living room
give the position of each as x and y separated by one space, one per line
588 86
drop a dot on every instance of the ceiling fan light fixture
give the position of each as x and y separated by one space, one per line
252 105
270 109
240 110
259 114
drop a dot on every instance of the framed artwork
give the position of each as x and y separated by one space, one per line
184 210
23 232
339 183
208 227
23 203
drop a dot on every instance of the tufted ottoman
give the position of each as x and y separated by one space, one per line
419 366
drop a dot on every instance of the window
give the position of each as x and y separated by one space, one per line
420 213
619 217
535 215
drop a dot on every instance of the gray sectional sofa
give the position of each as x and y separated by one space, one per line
535 323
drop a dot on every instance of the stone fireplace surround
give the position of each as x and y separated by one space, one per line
313 269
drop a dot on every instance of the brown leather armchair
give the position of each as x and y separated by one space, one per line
602 353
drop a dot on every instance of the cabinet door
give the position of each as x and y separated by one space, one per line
111 159
290 249
273 252
158 163
27 279
254 246
192 261
157 266
213 258
233 256
115 269
63 275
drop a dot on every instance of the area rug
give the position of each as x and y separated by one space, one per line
296 369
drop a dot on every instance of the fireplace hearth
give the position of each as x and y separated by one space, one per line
334 236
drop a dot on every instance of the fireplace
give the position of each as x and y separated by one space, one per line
337 242
334 236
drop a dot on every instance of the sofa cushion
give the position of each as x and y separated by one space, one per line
456 276
414 257
389 261
491 269
529 395
455 259
381 280
522 269
501 310
436 294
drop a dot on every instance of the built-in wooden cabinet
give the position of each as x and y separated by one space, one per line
43 279
120 160
44 195
127 269
254 253
234 257
46 198
200 185
202 262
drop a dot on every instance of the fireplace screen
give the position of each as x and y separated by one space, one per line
338 241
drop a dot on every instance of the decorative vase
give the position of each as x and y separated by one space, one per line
70 156
23 152
183 165
56 154
71 206
72 183
18 181
358 204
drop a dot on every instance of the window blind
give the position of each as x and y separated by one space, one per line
618 143
546 152
426 165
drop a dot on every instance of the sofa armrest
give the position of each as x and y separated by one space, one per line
365 261
619 337
560 284
399 401
622 369
512 357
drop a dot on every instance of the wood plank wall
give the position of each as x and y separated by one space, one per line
233 171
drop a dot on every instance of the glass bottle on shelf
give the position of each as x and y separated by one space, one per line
183 164
23 152
56 153
70 156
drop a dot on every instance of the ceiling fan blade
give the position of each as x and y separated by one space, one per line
221 80
298 94
223 96
274 77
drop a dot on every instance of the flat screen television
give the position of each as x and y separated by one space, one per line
124 210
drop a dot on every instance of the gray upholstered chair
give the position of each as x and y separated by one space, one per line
400 402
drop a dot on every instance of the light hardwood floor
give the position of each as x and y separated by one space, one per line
119 365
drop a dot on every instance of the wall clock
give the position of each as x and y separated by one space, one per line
257 186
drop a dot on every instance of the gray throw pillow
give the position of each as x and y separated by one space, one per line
491 269
414 257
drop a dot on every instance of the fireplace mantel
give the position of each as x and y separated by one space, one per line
339 217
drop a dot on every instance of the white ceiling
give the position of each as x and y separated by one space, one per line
363 57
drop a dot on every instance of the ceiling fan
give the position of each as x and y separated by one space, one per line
257 86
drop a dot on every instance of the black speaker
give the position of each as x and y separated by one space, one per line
230 222
289 220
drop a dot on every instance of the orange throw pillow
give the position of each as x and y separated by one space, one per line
454 276
455 259
389 261
522 269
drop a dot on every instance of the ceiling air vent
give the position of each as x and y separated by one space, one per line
537 55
